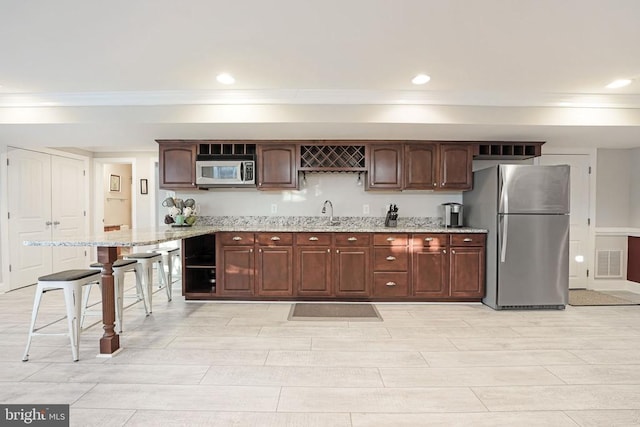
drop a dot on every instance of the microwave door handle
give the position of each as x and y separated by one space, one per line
242 171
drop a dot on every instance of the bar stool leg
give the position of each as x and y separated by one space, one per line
72 321
34 315
139 285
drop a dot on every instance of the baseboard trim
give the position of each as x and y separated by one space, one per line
615 285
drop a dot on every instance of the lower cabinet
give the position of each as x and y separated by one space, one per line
313 265
397 266
235 264
351 264
274 264
466 266
430 266
351 271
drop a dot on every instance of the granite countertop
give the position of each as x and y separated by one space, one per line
209 225
321 224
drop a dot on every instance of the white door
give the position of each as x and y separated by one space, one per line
579 208
67 211
35 215
29 202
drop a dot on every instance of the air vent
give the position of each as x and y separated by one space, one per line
609 264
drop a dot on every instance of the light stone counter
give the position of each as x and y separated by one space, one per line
320 224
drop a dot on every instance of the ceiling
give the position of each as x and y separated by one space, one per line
118 75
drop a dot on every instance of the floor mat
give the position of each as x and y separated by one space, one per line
584 297
321 311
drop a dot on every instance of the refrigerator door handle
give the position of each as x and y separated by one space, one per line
503 248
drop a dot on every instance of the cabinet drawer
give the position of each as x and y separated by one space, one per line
391 259
433 240
352 239
390 284
390 239
467 239
240 239
279 239
312 239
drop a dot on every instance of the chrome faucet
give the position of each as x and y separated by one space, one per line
324 211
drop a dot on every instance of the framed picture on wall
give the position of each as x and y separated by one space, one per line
114 182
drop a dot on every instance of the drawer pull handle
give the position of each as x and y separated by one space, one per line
352 239
390 239
468 239
275 238
453 251
444 251
391 258
391 284
313 239
237 238
428 239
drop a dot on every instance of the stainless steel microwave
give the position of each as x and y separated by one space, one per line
225 172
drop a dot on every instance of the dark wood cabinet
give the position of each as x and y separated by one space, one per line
177 165
466 265
324 265
430 265
385 167
274 264
351 264
391 260
199 275
420 166
313 268
455 163
235 264
351 269
277 166
633 259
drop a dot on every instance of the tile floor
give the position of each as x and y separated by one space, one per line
235 364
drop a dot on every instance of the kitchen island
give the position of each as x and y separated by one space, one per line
107 244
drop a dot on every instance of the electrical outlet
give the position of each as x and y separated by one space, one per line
365 209
274 208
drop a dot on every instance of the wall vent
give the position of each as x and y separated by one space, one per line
609 264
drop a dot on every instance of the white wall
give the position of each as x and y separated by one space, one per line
117 204
613 188
634 188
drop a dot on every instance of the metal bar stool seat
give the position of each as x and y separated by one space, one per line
71 283
146 260
120 267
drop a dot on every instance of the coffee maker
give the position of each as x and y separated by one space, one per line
453 215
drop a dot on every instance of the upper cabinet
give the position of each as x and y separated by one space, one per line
455 167
177 162
277 167
420 166
385 167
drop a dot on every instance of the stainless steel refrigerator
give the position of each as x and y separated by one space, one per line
526 210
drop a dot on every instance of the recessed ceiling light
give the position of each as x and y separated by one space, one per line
618 83
420 79
225 79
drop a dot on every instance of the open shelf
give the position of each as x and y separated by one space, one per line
507 150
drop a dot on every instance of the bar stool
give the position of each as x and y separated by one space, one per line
71 282
168 255
120 267
146 260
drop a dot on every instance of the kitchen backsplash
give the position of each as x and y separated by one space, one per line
348 199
